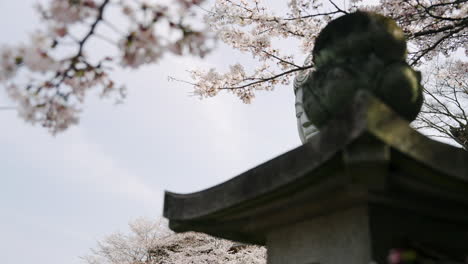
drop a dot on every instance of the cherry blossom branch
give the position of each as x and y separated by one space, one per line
280 59
315 15
59 80
434 45
427 10
99 18
447 3
337 8
261 80
462 24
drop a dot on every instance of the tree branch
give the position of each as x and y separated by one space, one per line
267 79
99 18
428 49
462 24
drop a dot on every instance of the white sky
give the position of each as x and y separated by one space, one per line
59 195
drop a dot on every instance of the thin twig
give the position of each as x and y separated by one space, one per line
337 8
267 79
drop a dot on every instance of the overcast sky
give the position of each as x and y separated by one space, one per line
59 195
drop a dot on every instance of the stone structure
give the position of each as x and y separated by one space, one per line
360 51
366 184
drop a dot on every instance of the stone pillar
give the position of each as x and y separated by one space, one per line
339 237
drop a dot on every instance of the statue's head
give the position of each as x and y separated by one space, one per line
359 51
358 35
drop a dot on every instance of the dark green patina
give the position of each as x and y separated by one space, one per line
360 51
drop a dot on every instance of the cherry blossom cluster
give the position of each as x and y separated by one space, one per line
50 76
156 30
209 83
248 26
68 12
432 27
151 242
187 248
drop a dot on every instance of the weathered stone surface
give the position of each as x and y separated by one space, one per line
359 35
405 188
367 119
341 237
359 51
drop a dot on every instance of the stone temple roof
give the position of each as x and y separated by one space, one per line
365 155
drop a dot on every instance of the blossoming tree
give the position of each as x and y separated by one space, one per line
58 69
60 80
433 28
151 242
445 110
